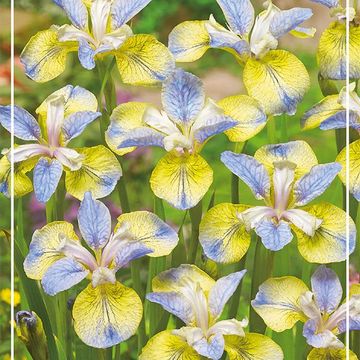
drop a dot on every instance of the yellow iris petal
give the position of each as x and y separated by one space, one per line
124 117
165 346
142 60
271 81
247 112
44 248
181 180
354 290
252 347
107 314
99 173
44 56
278 302
223 235
330 354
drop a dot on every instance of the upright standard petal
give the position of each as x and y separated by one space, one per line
25 126
47 174
142 60
329 3
147 228
76 11
123 11
329 242
44 249
223 235
116 312
44 56
99 173
94 222
181 180
313 184
271 81
183 96
278 302
250 171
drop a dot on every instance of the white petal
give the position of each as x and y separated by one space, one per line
303 220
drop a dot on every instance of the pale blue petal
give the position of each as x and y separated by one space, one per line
47 174
183 96
218 42
25 126
274 236
213 349
250 171
221 292
354 324
76 12
287 20
142 136
328 3
94 221
174 303
76 123
327 289
123 11
314 338
338 121
86 55
62 275
130 251
239 15
216 125
313 184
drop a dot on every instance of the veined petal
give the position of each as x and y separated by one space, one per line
94 222
62 275
99 173
47 174
249 170
271 81
123 11
44 56
189 41
313 184
147 228
339 121
181 180
239 15
183 96
327 289
330 354
116 312
278 302
222 291
76 12
141 136
223 236
28 151
248 114
165 346
297 152
252 347
329 3
129 251
212 348
25 126
44 248
329 241
142 60
86 54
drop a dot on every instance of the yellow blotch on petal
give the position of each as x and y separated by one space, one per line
165 346
106 315
272 81
181 180
330 354
252 347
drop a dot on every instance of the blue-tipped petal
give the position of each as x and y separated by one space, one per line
141 136
328 3
76 123
212 348
94 221
250 171
327 289
354 324
86 55
239 15
25 126
274 236
62 275
221 292
76 12
323 339
124 10
130 251
338 121
287 20
313 184
183 96
47 174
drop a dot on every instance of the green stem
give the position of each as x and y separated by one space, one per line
283 129
195 216
238 148
271 130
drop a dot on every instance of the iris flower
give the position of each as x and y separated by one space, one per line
332 50
330 113
286 177
182 176
62 117
106 312
276 78
194 297
98 29
283 301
